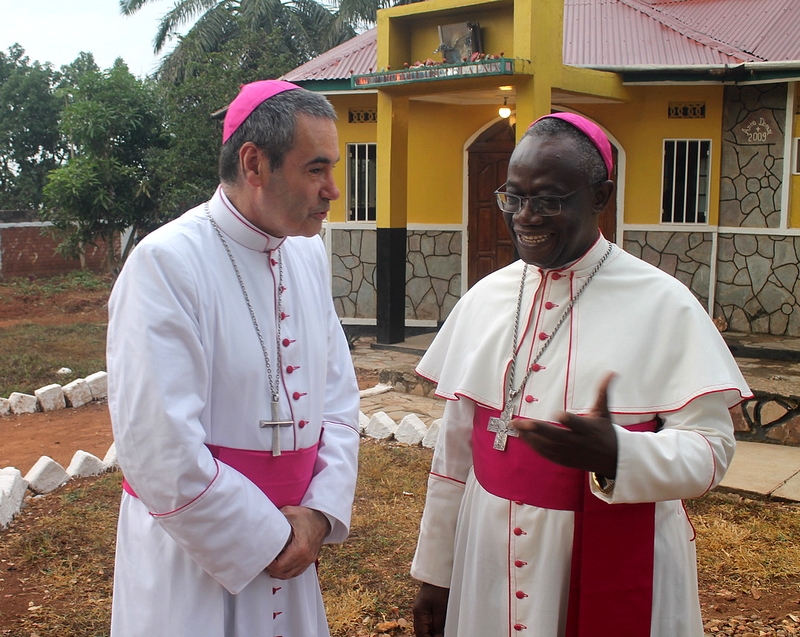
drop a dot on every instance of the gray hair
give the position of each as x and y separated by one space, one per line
587 159
271 126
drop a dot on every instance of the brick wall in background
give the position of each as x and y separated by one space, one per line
26 249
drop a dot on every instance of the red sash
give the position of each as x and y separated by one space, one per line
284 479
611 577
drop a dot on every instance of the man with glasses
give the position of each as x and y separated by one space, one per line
588 393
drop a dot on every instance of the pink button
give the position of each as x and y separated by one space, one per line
542 335
536 367
557 276
298 395
290 369
519 531
520 627
273 262
520 563
284 315
521 595
287 341
518 502
302 424
275 589
530 399
549 305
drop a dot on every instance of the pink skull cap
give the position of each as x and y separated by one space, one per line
592 131
249 98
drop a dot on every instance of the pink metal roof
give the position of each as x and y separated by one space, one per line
627 33
767 29
357 56
634 32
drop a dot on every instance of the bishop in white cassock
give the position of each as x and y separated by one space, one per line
234 406
564 516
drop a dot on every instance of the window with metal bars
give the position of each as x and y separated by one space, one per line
361 180
684 197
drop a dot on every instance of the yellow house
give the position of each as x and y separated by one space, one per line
699 98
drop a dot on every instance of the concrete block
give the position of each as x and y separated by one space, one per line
12 494
760 467
110 459
381 426
23 403
98 385
51 397
84 464
46 475
5 407
411 430
363 421
77 392
380 388
429 441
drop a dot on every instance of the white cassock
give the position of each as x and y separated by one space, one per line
507 563
185 370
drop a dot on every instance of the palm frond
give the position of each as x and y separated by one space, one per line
260 14
129 7
183 12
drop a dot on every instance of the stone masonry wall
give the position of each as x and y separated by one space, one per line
752 155
684 255
433 273
757 283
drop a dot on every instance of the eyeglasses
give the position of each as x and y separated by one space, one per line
543 205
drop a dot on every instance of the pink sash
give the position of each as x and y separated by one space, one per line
611 578
284 479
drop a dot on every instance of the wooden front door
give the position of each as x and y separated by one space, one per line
489 245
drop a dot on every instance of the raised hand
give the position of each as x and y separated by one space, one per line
586 442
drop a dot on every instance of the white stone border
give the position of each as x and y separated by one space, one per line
47 475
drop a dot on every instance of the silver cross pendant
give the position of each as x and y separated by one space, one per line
276 425
502 429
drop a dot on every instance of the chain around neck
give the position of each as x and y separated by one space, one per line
273 386
513 393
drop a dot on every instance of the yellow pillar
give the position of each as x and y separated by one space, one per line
538 43
392 159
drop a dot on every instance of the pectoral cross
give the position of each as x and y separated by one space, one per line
276 425
502 428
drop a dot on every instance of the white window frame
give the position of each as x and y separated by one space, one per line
361 181
685 181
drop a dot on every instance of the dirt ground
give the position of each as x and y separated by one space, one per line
58 434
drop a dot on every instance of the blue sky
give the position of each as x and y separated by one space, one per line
57 31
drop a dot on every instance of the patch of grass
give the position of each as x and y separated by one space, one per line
34 353
365 580
742 543
51 286
62 546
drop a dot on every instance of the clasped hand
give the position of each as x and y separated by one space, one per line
588 443
309 529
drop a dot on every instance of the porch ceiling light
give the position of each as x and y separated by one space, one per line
504 111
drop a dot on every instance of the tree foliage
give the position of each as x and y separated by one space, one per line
305 28
111 121
187 168
30 144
